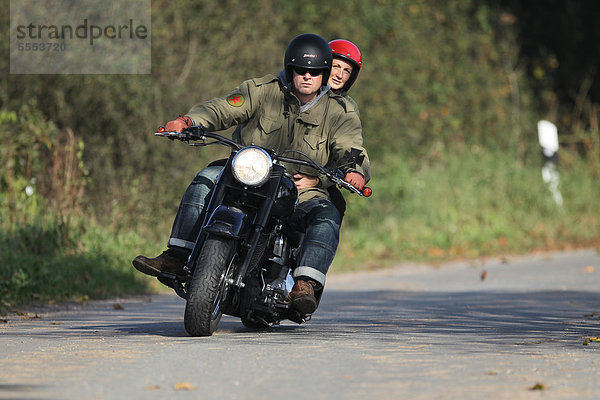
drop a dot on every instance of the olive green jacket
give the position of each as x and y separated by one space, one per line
272 117
351 101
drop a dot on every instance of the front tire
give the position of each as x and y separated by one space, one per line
208 287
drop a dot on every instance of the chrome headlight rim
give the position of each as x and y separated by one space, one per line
251 166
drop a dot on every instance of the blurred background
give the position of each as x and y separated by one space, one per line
450 94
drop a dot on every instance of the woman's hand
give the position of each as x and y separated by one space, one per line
305 181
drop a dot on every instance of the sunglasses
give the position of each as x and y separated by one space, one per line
311 71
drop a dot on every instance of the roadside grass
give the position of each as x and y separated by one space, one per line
467 203
52 262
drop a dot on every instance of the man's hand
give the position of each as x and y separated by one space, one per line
305 181
356 180
178 124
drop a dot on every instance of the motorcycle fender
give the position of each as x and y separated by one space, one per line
227 221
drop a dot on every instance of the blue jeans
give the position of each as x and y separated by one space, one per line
190 214
317 218
320 221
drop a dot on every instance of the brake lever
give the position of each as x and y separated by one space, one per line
162 132
336 177
183 136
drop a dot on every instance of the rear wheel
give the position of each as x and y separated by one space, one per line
208 287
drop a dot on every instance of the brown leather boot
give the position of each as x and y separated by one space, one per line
169 261
302 297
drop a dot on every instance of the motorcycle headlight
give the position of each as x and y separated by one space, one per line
252 166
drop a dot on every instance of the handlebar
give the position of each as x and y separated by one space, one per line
197 133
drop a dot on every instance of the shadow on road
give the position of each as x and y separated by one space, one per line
501 318
509 318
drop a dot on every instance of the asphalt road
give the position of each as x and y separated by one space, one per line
412 332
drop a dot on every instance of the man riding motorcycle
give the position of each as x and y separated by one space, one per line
290 112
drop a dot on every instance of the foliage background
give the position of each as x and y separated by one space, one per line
449 94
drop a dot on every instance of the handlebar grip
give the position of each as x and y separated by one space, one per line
366 191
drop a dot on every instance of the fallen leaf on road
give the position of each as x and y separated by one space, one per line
538 386
590 269
30 316
483 275
152 387
184 386
591 339
117 306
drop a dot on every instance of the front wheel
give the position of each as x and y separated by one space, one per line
208 287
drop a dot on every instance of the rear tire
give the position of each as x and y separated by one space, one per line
208 287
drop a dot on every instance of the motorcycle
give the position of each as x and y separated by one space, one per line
243 258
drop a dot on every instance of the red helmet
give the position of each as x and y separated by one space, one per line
347 51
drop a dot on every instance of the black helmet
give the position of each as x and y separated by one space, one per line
308 51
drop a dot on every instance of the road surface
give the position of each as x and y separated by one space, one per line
520 328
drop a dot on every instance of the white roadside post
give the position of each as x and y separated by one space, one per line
548 137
